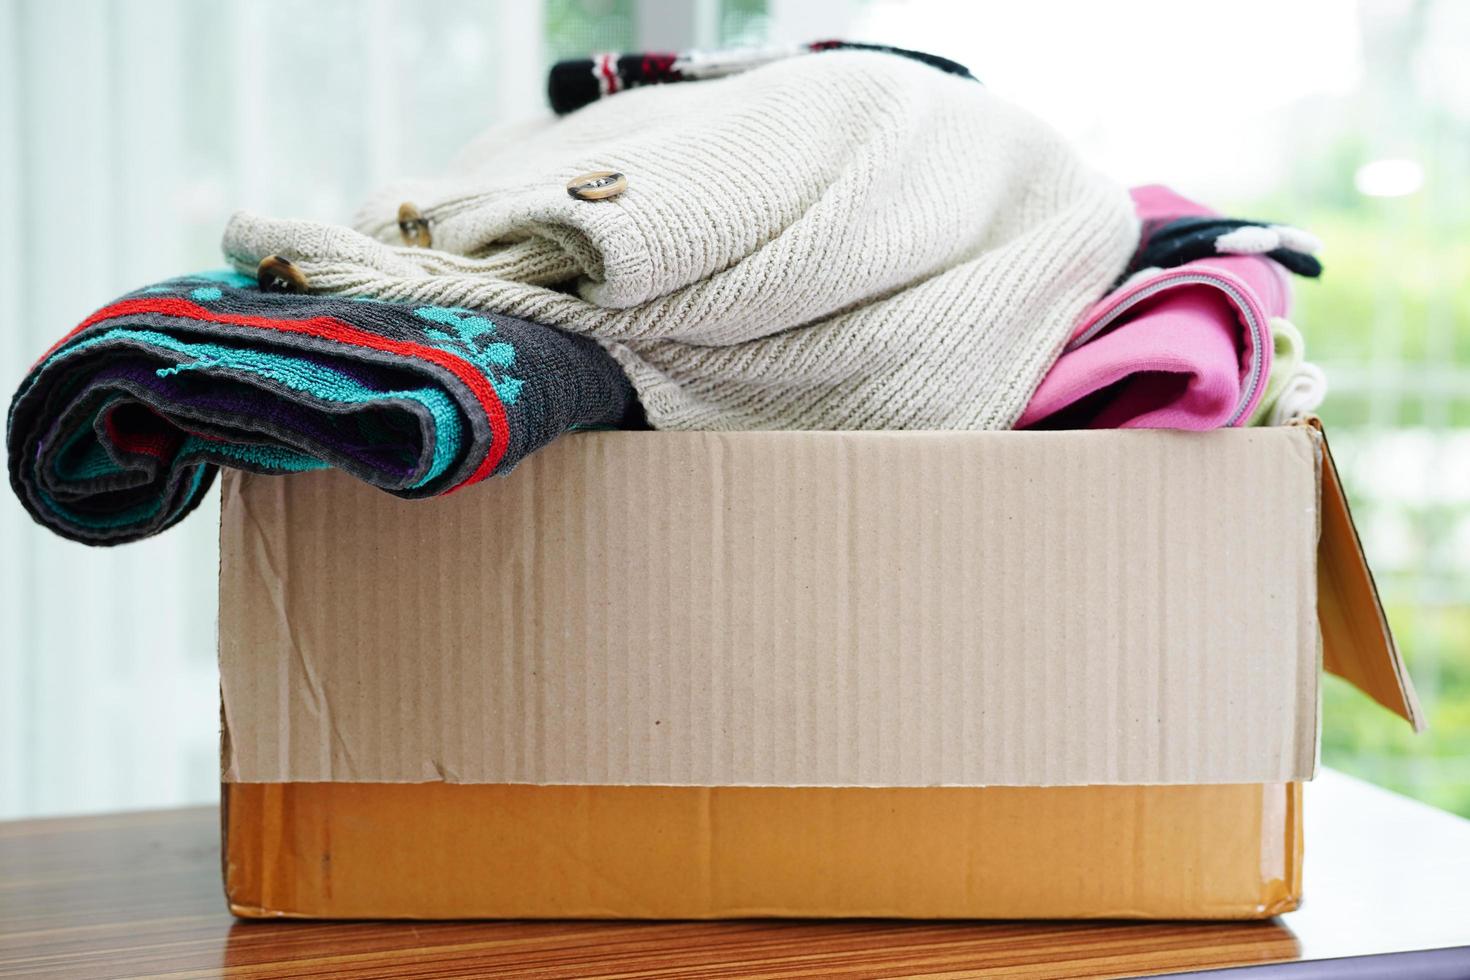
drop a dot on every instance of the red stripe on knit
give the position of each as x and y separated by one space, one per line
609 69
160 445
329 328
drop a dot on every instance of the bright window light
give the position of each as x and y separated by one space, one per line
1389 178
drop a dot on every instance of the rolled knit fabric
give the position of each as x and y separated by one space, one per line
1301 394
576 82
1173 242
1288 355
117 432
854 240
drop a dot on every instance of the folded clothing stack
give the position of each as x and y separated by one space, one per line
1190 339
847 239
831 237
118 430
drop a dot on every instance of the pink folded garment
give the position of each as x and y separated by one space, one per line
1184 348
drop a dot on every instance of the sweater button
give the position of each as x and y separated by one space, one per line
598 185
413 226
278 275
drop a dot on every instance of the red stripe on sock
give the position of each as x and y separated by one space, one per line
329 328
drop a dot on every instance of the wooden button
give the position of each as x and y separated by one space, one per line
597 185
413 226
278 275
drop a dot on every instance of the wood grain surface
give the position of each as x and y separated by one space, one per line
139 895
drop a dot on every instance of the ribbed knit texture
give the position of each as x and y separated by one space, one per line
116 433
853 240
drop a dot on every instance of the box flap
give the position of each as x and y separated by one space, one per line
1357 644
787 608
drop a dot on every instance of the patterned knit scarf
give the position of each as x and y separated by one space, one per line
577 82
117 432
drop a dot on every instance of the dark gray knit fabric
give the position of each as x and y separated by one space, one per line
117 432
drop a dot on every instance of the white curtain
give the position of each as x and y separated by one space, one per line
128 132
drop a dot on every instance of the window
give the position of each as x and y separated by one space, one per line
128 134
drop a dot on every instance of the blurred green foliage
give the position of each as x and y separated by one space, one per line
577 28
1390 322
1361 738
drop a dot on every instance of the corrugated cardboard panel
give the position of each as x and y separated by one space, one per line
374 850
833 609
1357 644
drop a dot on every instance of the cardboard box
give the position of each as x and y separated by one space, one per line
960 674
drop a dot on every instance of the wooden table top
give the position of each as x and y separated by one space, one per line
139 895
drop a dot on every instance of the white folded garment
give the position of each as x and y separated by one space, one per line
850 240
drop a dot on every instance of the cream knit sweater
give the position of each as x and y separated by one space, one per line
841 240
